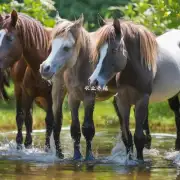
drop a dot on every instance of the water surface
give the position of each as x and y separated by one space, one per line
161 162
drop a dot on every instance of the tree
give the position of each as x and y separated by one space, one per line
39 9
157 15
71 9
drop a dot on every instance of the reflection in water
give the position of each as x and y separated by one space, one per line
110 164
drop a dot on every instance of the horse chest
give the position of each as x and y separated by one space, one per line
138 78
130 93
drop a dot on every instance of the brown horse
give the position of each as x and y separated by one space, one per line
23 35
70 63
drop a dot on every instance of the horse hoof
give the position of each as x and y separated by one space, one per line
47 149
89 157
77 157
177 145
19 147
177 148
147 146
28 146
140 161
60 155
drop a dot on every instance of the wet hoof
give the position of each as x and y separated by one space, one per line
77 156
130 157
177 145
28 146
147 144
59 155
28 142
19 147
47 149
140 161
89 157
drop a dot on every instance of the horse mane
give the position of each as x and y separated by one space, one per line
132 33
82 41
31 32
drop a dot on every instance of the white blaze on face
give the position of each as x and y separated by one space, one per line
58 43
103 52
2 34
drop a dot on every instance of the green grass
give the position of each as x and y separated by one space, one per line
160 115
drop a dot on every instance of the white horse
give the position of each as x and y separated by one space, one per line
167 80
166 84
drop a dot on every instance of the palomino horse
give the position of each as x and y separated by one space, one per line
69 63
122 50
23 35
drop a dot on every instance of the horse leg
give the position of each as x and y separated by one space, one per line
58 94
140 115
147 132
175 105
75 126
49 123
129 138
19 115
27 109
88 128
123 108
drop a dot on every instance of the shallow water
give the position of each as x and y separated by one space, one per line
161 162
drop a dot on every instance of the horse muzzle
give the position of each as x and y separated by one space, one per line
46 71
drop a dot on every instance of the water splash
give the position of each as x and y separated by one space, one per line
173 156
151 152
118 154
35 154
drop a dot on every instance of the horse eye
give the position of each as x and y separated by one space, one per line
66 48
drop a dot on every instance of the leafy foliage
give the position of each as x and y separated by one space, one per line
71 9
39 9
157 15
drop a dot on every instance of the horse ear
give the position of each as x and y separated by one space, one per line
117 26
58 19
101 21
76 25
14 17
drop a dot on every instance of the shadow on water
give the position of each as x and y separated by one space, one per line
161 162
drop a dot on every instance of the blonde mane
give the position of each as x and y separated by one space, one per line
132 33
31 32
82 37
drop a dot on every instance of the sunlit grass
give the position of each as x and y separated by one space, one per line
160 115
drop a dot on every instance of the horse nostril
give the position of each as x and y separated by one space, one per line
47 68
93 83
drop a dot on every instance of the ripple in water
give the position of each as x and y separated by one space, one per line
118 153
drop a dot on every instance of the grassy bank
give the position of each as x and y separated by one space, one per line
160 115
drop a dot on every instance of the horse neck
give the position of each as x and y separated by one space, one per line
34 56
83 64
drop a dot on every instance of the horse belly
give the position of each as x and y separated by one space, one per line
167 81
